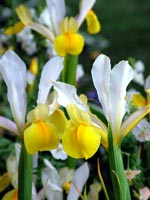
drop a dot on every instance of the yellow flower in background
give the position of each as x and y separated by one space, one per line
61 31
69 41
93 24
19 26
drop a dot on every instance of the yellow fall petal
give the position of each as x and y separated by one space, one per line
93 24
18 27
4 181
12 195
40 136
82 141
138 100
69 43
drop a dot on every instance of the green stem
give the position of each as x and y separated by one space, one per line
25 175
70 68
119 180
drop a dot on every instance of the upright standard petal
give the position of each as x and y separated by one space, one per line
51 71
120 77
85 6
13 70
56 12
101 78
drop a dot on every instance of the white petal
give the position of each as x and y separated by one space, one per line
101 77
13 70
51 182
67 94
51 71
120 77
147 84
79 180
8 124
85 6
56 12
59 153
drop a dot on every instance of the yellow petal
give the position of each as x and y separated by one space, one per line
12 195
24 14
68 25
18 27
34 66
69 43
40 136
59 120
41 112
138 100
4 181
131 122
82 141
93 24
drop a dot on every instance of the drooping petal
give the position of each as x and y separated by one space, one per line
8 124
132 121
56 12
25 16
13 70
120 77
69 43
40 136
85 6
82 141
101 77
80 178
51 71
67 94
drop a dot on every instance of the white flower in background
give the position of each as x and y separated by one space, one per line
139 72
53 182
142 131
26 38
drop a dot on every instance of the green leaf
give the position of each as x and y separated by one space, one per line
25 175
119 180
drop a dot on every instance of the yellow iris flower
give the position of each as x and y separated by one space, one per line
62 32
69 41
44 132
81 139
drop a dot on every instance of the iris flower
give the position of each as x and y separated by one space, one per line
111 87
63 31
85 129
82 136
39 133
